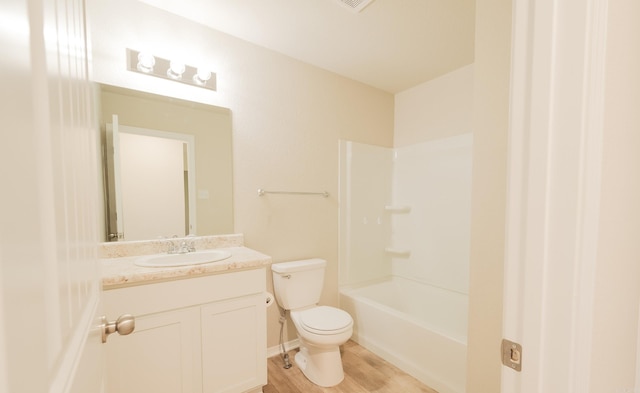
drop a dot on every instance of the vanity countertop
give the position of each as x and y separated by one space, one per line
121 272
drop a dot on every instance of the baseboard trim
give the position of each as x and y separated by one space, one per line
289 345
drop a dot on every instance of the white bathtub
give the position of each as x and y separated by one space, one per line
419 328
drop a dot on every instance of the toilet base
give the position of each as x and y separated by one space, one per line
322 366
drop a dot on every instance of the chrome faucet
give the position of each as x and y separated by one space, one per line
191 244
183 248
171 248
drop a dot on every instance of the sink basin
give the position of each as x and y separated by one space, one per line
191 258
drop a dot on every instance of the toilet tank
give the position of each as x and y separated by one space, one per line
298 284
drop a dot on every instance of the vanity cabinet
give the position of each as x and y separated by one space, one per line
204 334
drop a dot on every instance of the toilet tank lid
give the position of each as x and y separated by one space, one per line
298 266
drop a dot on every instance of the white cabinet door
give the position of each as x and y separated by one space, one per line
234 345
159 356
208 335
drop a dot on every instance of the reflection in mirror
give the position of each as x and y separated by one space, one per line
160 179
167 166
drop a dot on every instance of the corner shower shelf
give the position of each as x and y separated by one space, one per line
398 252
397 208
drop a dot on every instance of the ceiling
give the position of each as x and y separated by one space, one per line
391 44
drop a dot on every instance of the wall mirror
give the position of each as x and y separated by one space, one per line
167 166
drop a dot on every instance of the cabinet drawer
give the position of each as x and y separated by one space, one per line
158 297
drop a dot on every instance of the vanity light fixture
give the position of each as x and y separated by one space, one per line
146 63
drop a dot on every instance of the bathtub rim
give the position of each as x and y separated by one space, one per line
349 290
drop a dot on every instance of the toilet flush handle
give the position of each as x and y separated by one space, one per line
287 276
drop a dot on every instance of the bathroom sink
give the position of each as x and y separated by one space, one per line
190 258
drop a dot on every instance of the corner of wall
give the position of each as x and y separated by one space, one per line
490 126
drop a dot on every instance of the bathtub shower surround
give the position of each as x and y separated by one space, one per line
404 254
434 179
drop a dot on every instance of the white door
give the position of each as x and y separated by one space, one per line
157 198
151 182
572 213
49 275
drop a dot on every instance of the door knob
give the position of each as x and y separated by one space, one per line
124 325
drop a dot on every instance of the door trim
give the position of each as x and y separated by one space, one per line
554 179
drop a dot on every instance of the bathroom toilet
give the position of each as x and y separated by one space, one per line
321 329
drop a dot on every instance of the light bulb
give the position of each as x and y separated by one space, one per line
202 76
176 69
146 61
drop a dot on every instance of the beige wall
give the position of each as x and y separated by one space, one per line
287 119
490 127
617 286
439 108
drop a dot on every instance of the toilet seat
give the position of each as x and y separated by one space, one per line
325 320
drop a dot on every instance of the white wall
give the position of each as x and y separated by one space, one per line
435 109
287 119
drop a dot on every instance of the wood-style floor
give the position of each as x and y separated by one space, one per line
364 373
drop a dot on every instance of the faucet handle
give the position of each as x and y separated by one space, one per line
172 248
191 243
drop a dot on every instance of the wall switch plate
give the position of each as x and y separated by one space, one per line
512 355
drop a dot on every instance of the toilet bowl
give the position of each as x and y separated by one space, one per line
321 329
